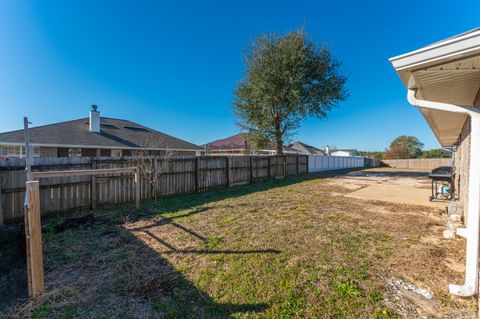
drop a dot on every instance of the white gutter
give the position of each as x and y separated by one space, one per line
470 287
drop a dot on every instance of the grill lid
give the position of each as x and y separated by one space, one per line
442 170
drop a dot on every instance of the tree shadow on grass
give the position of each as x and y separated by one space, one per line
104 271
13 271
147 230
179 297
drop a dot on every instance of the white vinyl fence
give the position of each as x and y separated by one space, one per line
318 163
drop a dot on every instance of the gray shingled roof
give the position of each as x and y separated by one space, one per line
114 133
302 148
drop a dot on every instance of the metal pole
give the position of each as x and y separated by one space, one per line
28 151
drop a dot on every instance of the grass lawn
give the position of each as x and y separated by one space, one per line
292 248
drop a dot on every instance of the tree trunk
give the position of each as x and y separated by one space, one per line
278 138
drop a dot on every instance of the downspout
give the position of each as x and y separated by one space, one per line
470 287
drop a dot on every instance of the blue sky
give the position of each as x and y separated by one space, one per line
173 65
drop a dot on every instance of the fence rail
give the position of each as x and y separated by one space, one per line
426 164
181 175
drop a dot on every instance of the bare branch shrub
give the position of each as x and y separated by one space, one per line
154 161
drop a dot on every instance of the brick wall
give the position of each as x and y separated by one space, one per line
48 152
462 166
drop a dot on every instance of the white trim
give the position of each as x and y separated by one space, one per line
459 45
104 147
463 46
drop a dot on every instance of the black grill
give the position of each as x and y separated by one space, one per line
442 173
442 177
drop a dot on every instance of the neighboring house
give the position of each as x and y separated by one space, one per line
238 145
443 81
302 148
93 136
235 145
344 153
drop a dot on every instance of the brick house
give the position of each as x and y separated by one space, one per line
93 136
302 148
237 144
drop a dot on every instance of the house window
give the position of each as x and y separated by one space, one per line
116 153
74 152
9 151
17 151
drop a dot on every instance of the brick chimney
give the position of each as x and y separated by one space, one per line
94 120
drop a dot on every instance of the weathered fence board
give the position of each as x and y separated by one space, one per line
426 164
180 175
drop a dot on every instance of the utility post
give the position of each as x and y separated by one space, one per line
33 227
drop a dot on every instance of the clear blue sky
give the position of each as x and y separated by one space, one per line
173 66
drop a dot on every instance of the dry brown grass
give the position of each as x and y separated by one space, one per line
282 249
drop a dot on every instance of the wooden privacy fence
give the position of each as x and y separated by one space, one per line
181 175
426 164
371 162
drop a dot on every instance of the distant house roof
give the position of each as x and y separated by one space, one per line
302 148
235 142
114 133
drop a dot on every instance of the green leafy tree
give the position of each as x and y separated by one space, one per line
396 152
257 142
288 78
435 153
407 146
372 154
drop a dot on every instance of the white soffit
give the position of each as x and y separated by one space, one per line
447 71
446 126
453 82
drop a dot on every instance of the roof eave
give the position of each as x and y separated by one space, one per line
464 45
450 50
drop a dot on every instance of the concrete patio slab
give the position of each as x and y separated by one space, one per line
400 194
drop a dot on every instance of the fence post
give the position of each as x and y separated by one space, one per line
137 188
33 234
269 167
251 169
1 209
93 187
197 173
285 169
307 164
298 169
227 165
156 186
